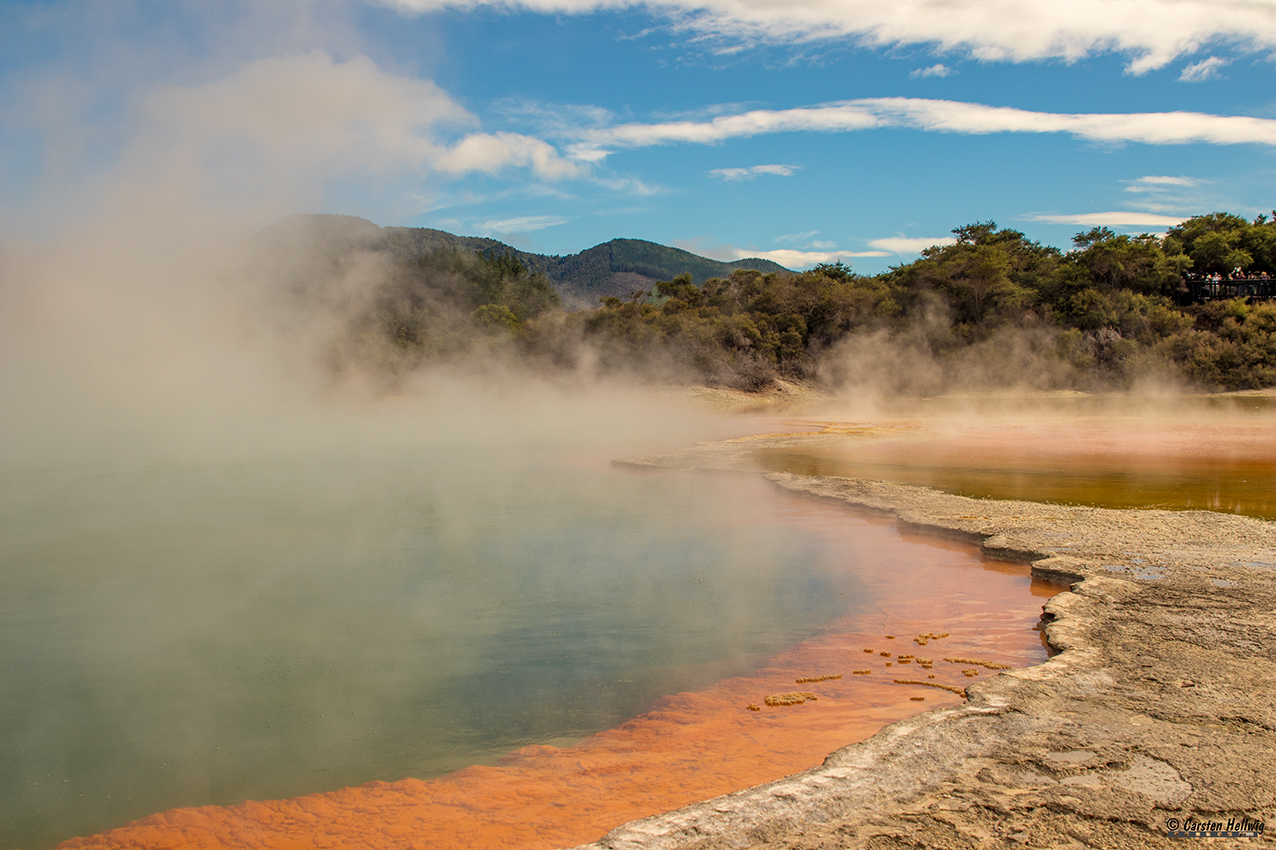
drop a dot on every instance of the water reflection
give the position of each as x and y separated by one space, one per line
691 745
1228 464
193 635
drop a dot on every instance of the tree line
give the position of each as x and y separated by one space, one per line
991 308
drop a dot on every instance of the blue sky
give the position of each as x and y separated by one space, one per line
804 131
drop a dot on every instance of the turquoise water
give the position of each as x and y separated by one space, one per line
199 634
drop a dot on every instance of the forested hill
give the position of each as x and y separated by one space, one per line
623 266
616 268
991 309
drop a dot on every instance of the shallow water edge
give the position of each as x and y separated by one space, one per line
1157 709
691 745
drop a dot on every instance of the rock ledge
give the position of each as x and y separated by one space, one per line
1157 708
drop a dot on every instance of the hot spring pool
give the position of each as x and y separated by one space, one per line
193 635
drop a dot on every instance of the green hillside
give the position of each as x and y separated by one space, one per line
414 242
607 269
618 267
615 268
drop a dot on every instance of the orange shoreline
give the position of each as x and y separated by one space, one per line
690 746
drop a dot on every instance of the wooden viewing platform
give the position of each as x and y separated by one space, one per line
1260 287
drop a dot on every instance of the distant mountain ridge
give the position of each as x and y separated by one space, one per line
619 267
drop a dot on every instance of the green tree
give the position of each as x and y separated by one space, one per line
1136 263
1213 242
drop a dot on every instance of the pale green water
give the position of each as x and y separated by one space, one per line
191 635
1242 488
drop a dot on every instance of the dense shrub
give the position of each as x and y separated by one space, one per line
992 308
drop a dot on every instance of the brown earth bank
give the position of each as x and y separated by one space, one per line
1156 713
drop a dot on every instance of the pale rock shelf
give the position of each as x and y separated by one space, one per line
1159 704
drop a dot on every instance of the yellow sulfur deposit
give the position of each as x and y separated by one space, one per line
794 698
953 688
991 665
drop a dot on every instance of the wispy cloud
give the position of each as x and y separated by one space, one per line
910 244
805 242
1151 33
796 259
1165 193
630 186
1154 183
1206 69
522 224
734 174
942 116
940 70
547 117
1111 219
797 237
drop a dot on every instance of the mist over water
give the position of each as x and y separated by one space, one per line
1157 450
207 633
227 574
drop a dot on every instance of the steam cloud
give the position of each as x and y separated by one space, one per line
137 313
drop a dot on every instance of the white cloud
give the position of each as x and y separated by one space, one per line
795 259
732 174
630 186
491 152
804 240
1111 219
1145 183
797 237
735 174
1167 194
547 117
943 116
910 245
1160 186
1206 69
779 170
939 70
522 224
1152 33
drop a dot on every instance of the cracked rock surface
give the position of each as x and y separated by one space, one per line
1157 706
